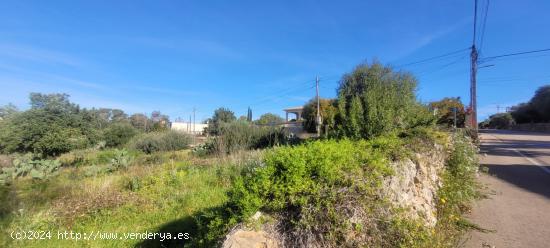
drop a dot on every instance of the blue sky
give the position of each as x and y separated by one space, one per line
172 56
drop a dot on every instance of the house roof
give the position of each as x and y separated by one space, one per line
299 108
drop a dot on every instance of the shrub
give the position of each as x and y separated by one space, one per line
221 116
459 189
324 191
160 141
51 127
118 134
375 100
327 111
269 119
72 158
501 121
242 135
26 165
445 113
121 160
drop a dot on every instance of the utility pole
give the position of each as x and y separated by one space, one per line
194 133
498 109
473 74
318 119
473 82
454 116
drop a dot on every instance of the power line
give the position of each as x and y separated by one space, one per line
484 24
515 54
441 67
432 58
475 22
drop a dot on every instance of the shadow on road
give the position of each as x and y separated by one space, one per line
528 177
498 131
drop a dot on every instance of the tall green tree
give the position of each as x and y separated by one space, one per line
374 99
444 109
221 115
328 110
536 110
7 111
118 134
140 121
53 125
269 119
541 102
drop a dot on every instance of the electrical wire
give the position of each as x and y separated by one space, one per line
432 58
513 54
484 25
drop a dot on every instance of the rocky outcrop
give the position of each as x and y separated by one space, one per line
251 239
415 183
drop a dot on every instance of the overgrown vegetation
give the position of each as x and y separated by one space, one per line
498 121
328 112
242 135
374 100
459 189
27 165
328 194
221 116
54 125
156 193
101 170
446 109
537 110
269 119
160 141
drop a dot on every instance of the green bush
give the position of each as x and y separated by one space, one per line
242 135
501 121
327 111
374 100
118 134
460 188
221 116
315 188
51 127
121 160
160 141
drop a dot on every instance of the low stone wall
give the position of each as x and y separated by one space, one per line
532 127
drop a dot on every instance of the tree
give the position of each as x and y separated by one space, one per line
51 102
536 110
269 119
160 121
328 112
52 126
501 121
541 103
525 113
221 115
140 121
445 114
118 134
374 99
118 115
249 115
7 111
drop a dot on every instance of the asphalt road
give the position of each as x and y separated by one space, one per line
518 182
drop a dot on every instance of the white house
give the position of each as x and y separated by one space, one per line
189 127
